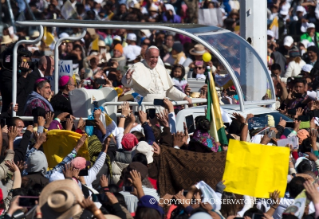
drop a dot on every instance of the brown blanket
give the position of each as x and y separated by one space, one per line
180 169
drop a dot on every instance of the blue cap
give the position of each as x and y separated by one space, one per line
148 201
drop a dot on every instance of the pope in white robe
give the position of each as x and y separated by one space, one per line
151 80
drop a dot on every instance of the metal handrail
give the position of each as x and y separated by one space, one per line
175 103
56 58
15 65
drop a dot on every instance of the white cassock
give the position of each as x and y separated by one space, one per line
152 83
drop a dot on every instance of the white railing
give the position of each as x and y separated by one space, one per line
175 103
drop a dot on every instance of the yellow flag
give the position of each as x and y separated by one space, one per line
255 169
47 37
95 44
60 143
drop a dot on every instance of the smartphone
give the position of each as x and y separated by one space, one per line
28 201
23 130
158 102
84 172
90 122
100 81
290 124
291 111
257 216
151 113
272 134
185 193
136 113
128 189
190 124
86 82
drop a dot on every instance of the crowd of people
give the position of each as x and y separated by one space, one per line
141 166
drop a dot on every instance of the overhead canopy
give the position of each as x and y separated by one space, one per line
248 72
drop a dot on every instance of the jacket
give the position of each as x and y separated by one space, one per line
6 90
122 160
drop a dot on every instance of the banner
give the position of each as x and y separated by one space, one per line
59 146
68 11
212 17
255 169
65 67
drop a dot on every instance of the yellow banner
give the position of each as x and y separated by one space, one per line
255 169
60 143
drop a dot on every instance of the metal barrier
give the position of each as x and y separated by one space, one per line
56 58
15 65
175 103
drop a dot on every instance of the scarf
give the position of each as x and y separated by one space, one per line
178 57
33 96
205 139
180 169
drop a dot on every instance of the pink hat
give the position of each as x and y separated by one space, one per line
129 141
80 163
64 80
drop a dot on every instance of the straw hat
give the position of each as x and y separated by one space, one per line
59 199
6 39
198 50
101 43
35 34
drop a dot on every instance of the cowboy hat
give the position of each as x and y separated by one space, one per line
59 199
198 50
6 39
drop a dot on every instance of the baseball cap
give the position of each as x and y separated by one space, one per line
310 25
300 9
288 41
148 201
144 148
117 37
131 36
80 163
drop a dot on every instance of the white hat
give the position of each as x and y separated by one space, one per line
284 12
300 9
270 33
310 44
307 68
35 34
131 57
62 35
298 161
131 36
304 27
98 1
310 25
304 42
6 39
101 43
170 7
144 148
288 41
117 37
146 32
312 95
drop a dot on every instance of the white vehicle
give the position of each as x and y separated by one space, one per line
189 114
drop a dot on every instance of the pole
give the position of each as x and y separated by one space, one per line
15 66
11 15
253 28
56 58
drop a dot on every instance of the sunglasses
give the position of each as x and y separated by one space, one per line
199 67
